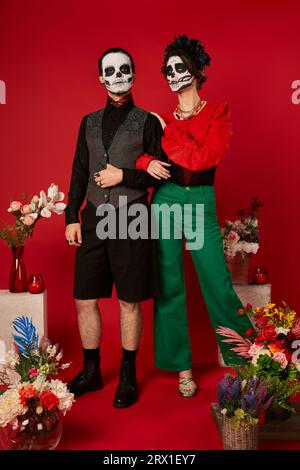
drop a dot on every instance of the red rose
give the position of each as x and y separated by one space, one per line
259 340
49 400
248 307
262 321
269 333
249 332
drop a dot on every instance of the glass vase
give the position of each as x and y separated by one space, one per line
239 267
38 434
17 275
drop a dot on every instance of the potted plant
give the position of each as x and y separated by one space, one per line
33 401
241 402
26 216
270 349
240 240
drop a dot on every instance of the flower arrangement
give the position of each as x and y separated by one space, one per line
243 400
242 235
33 402
270 349
27 214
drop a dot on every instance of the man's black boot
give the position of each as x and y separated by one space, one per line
90 378
127 390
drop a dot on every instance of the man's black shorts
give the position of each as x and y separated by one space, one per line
130 264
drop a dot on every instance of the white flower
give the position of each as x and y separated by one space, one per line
66 365
10 406
261 352
66 398
59 356
280 329
51 350
51 202
224 411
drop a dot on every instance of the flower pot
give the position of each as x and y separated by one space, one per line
237 437
43 434
239 267
17 275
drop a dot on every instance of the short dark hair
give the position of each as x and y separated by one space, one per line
192 54
113 50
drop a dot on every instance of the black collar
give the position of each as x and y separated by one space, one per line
125 105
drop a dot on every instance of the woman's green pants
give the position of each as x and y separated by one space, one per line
198 224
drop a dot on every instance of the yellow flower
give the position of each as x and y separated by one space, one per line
239 413
270 305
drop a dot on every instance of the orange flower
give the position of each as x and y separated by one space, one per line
276 346
27 392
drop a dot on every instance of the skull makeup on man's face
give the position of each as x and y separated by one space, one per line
117 73
178 75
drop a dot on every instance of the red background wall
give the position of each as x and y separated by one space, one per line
48 59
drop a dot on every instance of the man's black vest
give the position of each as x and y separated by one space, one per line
126 147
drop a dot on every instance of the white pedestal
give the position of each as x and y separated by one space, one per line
17 305
254 294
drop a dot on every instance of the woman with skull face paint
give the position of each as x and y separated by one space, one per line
195 138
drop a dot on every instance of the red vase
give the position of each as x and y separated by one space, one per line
17 275
36 284
259 275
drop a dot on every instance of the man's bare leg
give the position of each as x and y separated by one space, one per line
89 323
131 327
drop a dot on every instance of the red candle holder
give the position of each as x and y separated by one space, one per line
259 275
36 284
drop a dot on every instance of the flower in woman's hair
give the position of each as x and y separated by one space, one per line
249 333
26 209
49 400
33 372
26 392
281 359
14 206
224 411
269 333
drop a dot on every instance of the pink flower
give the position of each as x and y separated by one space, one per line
255 350
33 372
281 359
14 206
240 312
26 209
28 220
233 237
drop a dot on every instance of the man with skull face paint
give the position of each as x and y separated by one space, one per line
109 138
195 138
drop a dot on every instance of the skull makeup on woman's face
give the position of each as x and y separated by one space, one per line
117 73
178 75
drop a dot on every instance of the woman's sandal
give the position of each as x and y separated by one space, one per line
187 387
